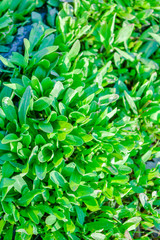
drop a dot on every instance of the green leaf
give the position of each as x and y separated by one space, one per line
78 116
58 88
58 179
91 203
9 109
63 126
80 215
39 140
125 55
146 156
69 96
5 21
156 37
74 50
18 60
53 3
132 223
6 182
73 140
41 170
26 199
46 154
5 92
10 138
98 236
107 32
7 170
44 52
120 179
46 127
27 48
50 220
143 199
19 184
102 223
59 214
102 72
6 62
57 235
122 169
42 103
32 214
35 35
75 180
69 226
131 102
2 224
124 33
84 191
24 105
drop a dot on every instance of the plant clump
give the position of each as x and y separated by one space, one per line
79 121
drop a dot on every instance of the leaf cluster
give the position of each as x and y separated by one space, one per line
79 119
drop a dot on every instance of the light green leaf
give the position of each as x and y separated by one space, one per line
125 55
24 105
156 37
98 236
50 220
69 226
132 223
2 224
58 179
58 87
74 50
63 126
69 96
131 102
9 109
91 203
124 33
19 184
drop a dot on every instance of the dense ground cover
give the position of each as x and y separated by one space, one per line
79 120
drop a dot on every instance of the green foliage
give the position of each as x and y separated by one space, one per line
79 121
